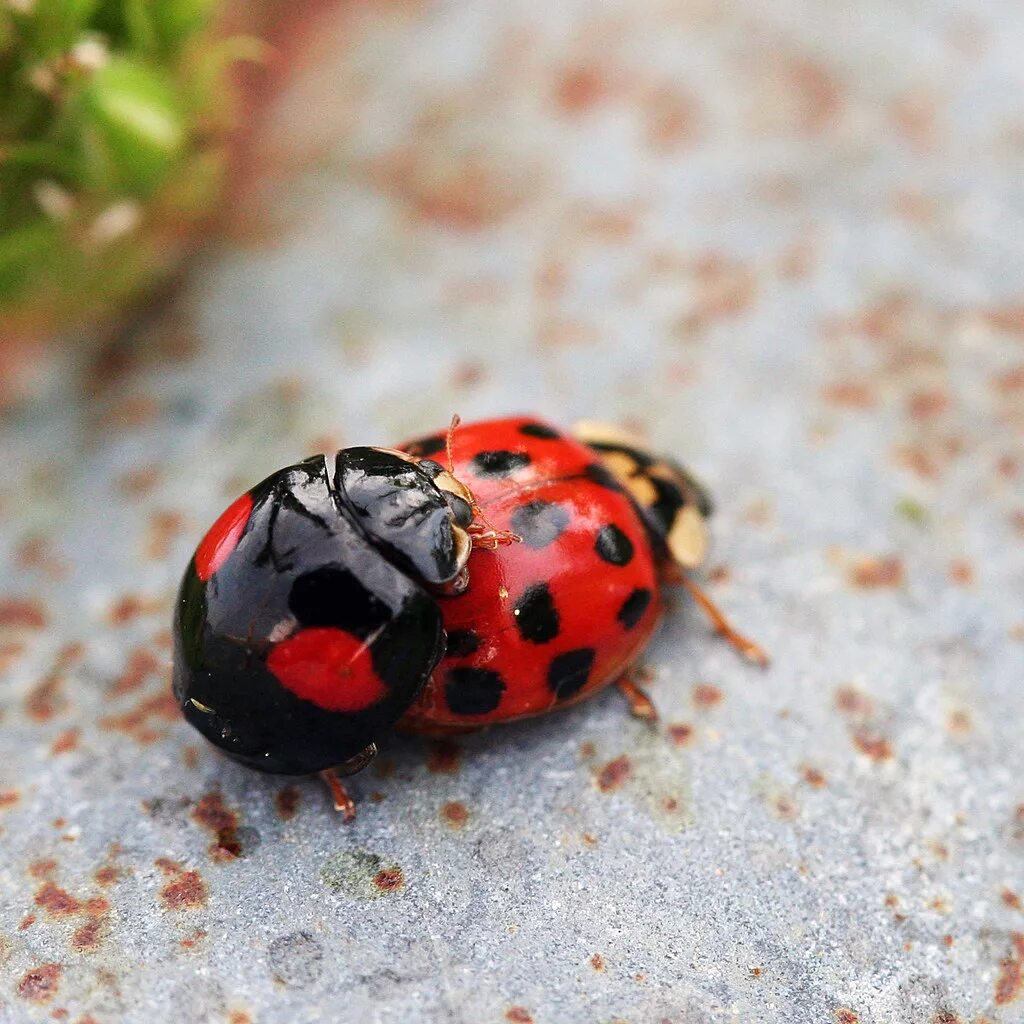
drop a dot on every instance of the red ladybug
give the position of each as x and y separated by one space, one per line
481 575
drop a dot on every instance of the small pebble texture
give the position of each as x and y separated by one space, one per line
783 239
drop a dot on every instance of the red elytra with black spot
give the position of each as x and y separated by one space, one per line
550 620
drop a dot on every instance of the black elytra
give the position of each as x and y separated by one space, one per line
357 552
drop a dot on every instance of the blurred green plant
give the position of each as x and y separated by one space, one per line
113 123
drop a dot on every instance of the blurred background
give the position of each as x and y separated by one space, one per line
783 240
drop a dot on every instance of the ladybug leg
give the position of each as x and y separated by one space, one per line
748 648
343 801
640 705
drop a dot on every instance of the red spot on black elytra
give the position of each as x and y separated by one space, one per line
222 538
329 667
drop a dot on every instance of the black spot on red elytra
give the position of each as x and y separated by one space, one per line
329 667
461 642
613 545
473 691
499 464
539 523
536 615
539 430
428 445
568 673
222 538
602 476
333 596
633 608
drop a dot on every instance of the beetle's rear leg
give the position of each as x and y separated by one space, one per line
748 648
640 704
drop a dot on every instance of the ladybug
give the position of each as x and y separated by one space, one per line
474 576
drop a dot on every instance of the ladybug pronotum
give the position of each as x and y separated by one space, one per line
490 573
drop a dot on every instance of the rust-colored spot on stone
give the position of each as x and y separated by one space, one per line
756 972
875 747
192 940
42 868
65 742
21 613
287 800
681 733
845 1016
1011 899
239 1017
44 699
597 962
580 89
1010 382
389 879
164 526
813 776
26 922
519 1015
142 663
1011 972
959 722
877 573
946 1017
589 839
854 702
671 118
455 814
212 813
587 750
947 941
8 798
88 937
130 607
961 573
706 696
614 774
445 757
849 395
40 984
926 405
57 902
107 875
186 890
136 722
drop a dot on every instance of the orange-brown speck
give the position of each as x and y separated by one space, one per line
854 702
588 749
43 868
961 573
445 757
671 120
185 891
706 696
849 395
455 814
875 747
519 1015
44 699
136 722
959 722
580 89
756 972
845 1016
26 922
926 405
239 1017
164 526
142 663
1010 382
614 774
190 757
1011 899
813 776
947 941
65 742
1011 972
40 984
130 607
589 839
88 937
193 940
946 1017
8 798
597 962
57 902
876 573
681 733
20 613
107 875
389 879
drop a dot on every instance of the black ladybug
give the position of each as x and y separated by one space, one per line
306 622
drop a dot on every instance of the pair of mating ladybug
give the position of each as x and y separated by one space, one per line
331 603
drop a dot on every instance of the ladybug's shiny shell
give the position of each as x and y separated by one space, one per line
301 634
548 621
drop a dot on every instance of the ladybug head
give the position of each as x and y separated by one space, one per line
413 510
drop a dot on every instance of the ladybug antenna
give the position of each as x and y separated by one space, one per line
456 420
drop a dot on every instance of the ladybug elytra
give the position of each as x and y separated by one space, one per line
338 600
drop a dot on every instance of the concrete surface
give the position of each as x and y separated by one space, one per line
784 239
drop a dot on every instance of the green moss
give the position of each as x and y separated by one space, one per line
112 120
